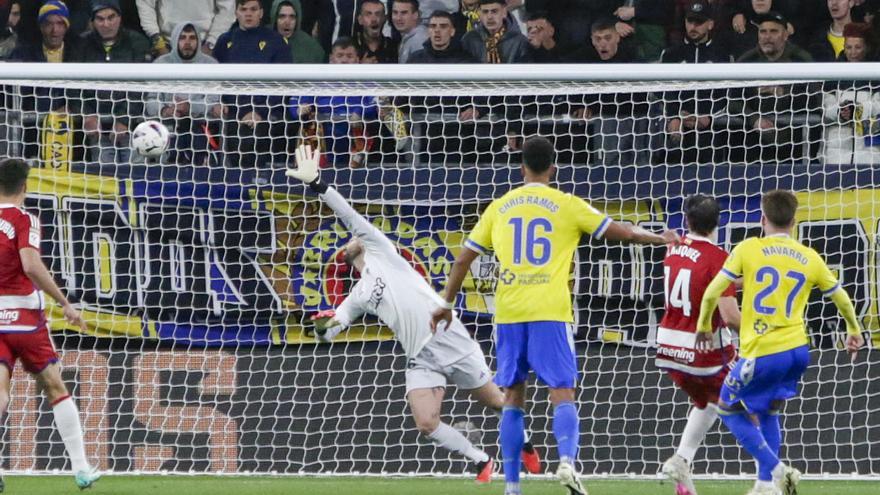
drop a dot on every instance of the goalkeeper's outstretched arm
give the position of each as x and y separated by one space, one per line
307 171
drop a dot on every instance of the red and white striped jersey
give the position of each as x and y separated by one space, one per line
689 268
21 303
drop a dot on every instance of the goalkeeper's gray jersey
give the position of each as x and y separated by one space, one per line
393 290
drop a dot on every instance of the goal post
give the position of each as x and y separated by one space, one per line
196 272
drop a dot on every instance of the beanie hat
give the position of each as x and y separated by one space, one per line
54 7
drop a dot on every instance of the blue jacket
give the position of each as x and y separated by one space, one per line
259 45
336 128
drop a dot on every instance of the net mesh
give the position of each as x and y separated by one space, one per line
195 271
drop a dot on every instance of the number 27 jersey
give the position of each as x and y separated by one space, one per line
534 231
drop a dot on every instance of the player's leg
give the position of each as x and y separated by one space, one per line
511 348
551 355
38 356
703 392
753 384
425 406
5 386
472 374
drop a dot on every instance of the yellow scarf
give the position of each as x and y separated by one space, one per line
493 54
473 18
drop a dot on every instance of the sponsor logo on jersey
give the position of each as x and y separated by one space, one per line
8 316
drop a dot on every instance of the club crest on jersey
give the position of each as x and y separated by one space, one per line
323 280
760 326
8 316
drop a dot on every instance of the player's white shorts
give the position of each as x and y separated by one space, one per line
467 373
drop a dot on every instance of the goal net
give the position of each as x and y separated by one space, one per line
196 272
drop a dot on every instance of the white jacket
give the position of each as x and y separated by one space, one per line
845 142
211 17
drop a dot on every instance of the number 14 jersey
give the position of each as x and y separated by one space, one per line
688 269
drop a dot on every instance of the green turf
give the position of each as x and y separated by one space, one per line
204 485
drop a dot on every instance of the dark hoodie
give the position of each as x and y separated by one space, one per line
259 45
453 54
8 38
304 48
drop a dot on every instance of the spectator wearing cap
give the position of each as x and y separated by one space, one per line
542 37
286 19
646 22
851 108
772 113
57 44
742 32
407 21
825 45
773 44
495 41
689 114
210 17
109 41
699 45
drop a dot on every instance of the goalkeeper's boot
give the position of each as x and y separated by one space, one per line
678 471
485 470
87 477
786 478
568 478
530 458
765 488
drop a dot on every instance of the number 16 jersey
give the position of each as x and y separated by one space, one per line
534 231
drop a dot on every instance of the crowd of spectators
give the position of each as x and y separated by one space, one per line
457 31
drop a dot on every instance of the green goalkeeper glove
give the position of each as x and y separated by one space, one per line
326 327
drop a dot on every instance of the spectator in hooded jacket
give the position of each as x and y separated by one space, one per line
285 18
186 115
495 40
210 17
407 21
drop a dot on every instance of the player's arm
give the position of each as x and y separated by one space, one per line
307 171
624 232
830 287
330 323
457 273
707 310
729 309
37 272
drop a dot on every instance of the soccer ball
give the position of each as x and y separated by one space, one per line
150 139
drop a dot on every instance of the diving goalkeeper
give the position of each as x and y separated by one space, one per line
392 290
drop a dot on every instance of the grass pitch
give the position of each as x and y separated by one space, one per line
208 485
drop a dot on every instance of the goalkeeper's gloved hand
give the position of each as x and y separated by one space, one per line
307 161
325 324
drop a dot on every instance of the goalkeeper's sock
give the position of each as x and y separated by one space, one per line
751 439
512 439
451 439
566 430
698 424
67 423
771 430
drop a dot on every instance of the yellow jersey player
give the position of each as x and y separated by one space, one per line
778 274
534 231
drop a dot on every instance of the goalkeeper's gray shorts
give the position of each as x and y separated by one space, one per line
467 373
